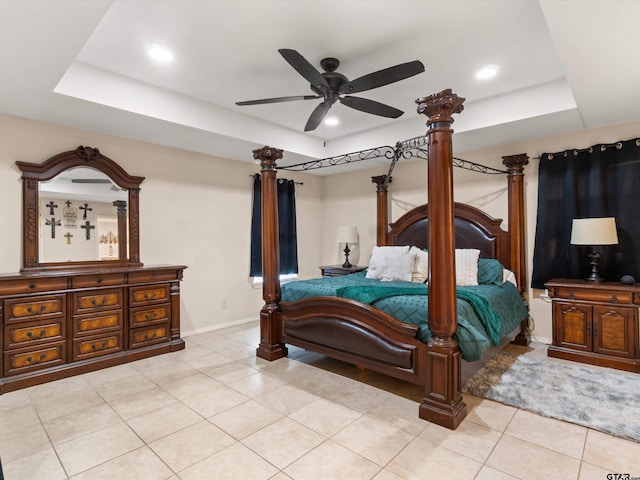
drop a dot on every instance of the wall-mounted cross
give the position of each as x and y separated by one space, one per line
68 237
68 203
85 208
88 227
54 223
51 206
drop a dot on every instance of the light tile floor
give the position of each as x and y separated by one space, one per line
215 411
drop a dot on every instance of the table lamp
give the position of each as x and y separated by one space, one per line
347 235
593 232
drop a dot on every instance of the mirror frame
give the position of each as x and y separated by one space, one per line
33 173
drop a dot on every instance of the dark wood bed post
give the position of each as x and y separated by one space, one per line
443 401
271 346
515 165
382 209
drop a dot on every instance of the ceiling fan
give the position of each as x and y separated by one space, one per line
332 86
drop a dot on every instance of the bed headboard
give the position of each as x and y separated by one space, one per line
473 229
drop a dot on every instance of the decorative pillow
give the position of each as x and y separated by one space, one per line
420 272
398 269
490 271
467 266
378 257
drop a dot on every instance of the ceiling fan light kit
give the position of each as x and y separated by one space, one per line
334 87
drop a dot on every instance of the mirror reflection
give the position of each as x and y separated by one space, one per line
77 217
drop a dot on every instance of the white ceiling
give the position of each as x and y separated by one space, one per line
565 66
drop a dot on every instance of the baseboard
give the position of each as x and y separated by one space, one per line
219 326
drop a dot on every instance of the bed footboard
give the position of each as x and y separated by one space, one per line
355 333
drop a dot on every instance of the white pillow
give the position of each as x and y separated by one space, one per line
420 272
467 266
378 257
398 269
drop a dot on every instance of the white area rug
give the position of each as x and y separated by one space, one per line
603 399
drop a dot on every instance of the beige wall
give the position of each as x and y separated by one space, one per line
353 196
195 210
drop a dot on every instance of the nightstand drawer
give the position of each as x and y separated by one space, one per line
606 296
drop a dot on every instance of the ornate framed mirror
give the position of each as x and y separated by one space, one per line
80 210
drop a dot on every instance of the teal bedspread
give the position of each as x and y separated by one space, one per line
486 313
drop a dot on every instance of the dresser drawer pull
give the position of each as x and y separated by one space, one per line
32 285
153 296
152 316
99 280
41 335
40 310
101 304
40 359
614 299
572 296
146 336
95 346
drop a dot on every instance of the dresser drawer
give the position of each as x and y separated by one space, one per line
97 346
97 323
606 296
142 337
25 360
97 300
149 294
34 308
143 316
154 276
21 335
33 285
106 280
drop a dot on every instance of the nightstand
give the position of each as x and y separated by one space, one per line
595 323
337 270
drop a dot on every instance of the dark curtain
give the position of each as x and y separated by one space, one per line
286 223
601 181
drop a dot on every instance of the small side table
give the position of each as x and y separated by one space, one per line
337 270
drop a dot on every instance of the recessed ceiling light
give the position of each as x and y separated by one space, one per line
331 121
487 72
159 53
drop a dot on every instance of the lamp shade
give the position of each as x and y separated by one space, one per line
594 231
347 235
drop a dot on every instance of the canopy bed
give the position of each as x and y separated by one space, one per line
66 313
359 333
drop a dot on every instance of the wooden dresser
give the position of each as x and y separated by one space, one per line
59 324
596 323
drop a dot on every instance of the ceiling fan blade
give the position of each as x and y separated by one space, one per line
317 116
304 68
278 99
370 106
383 77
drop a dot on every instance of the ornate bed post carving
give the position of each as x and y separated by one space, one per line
515 165
271 346
382 209
443 401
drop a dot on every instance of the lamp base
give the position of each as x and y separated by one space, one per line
594 277
346 263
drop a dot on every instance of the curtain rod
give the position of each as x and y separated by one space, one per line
576 151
